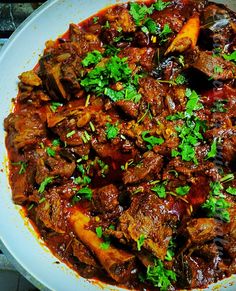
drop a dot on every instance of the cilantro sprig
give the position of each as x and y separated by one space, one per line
111 130
92 58
159 276
151 140
115 70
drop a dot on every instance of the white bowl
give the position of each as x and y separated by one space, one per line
19 241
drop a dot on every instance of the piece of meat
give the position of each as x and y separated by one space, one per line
149 167
128 107
118 263
119 17
149 216
51 211
201 230
85 41
213 66
105 199
229 151
24 129
30 78
52 166
153 93
138 56
83 253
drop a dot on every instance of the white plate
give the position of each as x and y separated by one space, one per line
21 53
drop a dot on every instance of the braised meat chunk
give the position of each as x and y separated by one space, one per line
122 145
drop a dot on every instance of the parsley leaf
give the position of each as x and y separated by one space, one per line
95 19
151 26
140 242
105 245
183 190
85 193
160 190
218 70
217 207
92 58
165 33
99 231
111 130
231 190
56 142
45 182
159 276
139 12
54 106
231 57
219 106
85 180
180 79
111 50
151 140
51 152
213 151
160 5
23 166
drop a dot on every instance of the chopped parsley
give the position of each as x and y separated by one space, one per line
216 206
160 190
231 190
85 180
56 142
140 242
213 150
160 5
23 166
218 70
70 134
44 184
150 26
95 19
54 106
180 80
170 251
84 193
92 58
190 132
159 276
99 231
165 33
115 70
231 57
111 130
139 12
151 140
183 190
219 106
51 152
105 245
111 50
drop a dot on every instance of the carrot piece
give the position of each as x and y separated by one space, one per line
187 37
118 263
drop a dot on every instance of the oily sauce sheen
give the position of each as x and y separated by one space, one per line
122 145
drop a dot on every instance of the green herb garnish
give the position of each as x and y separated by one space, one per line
99 231
111 130
92 58
231 190
51 152
23 166
151 140
159 276
160 5
183 190
54 106
44 184
140 242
